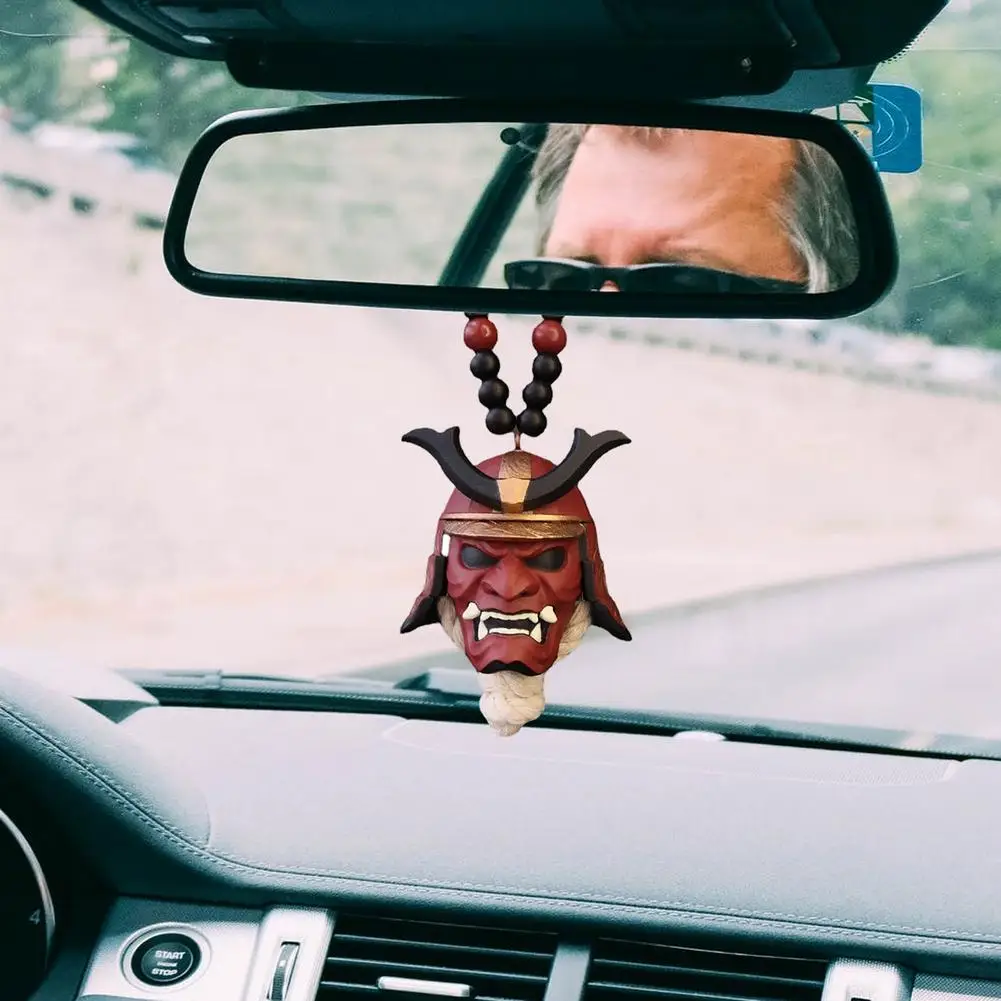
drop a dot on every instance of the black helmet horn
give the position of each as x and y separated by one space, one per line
445 448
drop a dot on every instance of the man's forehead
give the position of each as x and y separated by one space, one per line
697 142
702 198
677 163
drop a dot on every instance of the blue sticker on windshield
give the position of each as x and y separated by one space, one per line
886 120
896 132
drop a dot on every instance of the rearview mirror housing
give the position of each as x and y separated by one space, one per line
324 148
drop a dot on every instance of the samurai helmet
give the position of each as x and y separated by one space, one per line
518 500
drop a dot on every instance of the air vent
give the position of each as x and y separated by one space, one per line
640 971
417 959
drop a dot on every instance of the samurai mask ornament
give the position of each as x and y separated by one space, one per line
516 576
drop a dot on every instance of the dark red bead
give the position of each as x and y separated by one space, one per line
549 337
480 334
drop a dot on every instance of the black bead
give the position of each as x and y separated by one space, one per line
546 368
537 395
493 393
501 420
532 423
485 365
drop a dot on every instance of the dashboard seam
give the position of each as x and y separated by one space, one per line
949 767
94 773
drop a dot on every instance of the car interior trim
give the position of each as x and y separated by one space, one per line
239 950
862 980
44 892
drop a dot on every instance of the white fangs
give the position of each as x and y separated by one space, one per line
525 623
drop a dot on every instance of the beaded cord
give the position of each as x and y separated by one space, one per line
549 338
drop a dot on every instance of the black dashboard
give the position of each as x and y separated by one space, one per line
211 853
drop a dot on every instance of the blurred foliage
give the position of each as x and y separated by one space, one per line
168 101
948 215
58 63
32 33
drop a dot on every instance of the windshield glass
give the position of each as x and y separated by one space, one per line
807 524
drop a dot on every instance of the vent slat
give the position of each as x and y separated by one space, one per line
704 971
400 929
662 954
370 989
377 940
666 992
438 972
342 987
663 972
498 964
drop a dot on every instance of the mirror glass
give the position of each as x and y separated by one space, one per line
574 208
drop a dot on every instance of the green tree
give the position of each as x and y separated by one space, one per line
113 82
169 101
948 214
32 41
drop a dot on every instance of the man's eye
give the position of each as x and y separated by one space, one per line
475 559
549 559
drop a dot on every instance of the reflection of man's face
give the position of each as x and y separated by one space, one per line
691 197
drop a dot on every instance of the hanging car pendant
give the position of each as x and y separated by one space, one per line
516 576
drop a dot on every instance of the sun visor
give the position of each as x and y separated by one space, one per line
805 91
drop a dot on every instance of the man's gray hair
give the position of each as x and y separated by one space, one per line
817 214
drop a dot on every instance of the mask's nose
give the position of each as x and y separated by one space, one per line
510 580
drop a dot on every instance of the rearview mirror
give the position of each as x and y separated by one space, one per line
461 205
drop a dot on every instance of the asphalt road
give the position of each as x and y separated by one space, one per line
914 648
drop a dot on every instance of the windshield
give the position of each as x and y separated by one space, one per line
807 524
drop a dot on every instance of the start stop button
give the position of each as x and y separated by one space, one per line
166 959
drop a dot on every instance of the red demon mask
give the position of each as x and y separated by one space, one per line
516 551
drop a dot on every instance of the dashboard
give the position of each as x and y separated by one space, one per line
209 853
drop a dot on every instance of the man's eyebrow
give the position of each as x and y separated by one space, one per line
668 256
569 255
692 258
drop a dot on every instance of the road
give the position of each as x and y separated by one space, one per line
913 648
